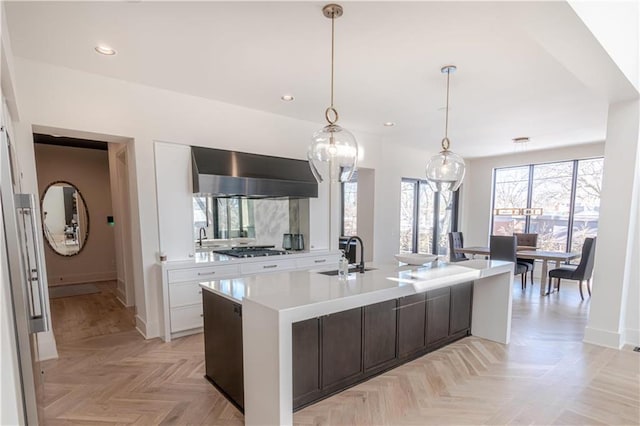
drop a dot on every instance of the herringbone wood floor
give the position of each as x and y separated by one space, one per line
545 376
89 315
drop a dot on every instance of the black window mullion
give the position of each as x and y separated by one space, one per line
454 212
416 213
436 222
572 204
216 218
342 209
527 218
493 204
240 217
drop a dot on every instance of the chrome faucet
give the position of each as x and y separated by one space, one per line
348 247
202 231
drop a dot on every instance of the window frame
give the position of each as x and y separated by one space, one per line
572 194
436 213
354 179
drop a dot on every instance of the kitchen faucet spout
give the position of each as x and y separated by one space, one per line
348 247
201 232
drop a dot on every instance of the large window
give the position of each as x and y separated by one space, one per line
426 217
350 207
558 201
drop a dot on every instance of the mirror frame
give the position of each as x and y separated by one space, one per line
84 202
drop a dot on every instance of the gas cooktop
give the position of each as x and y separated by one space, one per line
252 251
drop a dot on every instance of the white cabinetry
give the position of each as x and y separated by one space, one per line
182 296
271 266
319 214
175 199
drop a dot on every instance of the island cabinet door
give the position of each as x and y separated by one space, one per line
461 298
438 309
411 324
341 348
380 323
223 345
305 340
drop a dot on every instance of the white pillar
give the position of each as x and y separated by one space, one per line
616 228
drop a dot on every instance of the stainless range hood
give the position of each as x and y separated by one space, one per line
224 173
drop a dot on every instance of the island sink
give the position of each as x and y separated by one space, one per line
352 269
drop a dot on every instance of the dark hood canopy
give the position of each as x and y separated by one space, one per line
224 173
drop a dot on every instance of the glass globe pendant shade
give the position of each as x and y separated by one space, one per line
333 154
445 171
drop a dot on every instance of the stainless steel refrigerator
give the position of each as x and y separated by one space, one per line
24 282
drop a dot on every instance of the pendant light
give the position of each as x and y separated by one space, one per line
333 150
445 170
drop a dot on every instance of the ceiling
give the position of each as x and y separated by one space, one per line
511 81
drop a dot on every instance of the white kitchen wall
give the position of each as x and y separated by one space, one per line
61 98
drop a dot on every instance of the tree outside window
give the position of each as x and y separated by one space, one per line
350 208
426 217
568 193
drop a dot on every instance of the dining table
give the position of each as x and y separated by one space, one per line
527 252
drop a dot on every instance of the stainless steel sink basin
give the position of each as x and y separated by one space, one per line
335 271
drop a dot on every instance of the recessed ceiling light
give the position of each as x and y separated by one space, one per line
389 124
522 139
287 98
105 50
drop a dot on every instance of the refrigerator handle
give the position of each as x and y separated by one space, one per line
35 280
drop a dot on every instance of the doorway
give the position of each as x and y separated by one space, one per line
83 188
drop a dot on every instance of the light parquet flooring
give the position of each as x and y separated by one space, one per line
89 315
545 376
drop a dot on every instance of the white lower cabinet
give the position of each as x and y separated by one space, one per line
270 266
182 295
317 262
186 317
203 274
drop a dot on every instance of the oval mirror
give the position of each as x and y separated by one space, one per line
65 218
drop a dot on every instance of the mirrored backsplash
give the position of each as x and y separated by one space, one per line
220 222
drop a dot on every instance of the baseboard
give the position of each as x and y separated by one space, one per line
47 348
605 338
120 299
632 337
82 278
141 326
120 293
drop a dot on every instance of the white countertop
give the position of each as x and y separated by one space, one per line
295 289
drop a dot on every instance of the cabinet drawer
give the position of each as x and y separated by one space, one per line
188 293
186 317
203 274
310 262
274 265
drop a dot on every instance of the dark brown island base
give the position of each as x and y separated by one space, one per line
334 352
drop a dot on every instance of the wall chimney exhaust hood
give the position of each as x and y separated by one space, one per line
224 173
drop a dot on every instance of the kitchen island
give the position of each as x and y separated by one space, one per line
336 326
